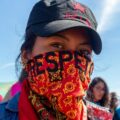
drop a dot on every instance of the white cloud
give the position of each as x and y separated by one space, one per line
108 11
7 66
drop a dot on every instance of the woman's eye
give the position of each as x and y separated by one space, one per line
86 53
57 45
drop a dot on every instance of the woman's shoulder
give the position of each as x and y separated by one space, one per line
9 109
2 106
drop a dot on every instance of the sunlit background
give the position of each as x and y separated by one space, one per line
13 19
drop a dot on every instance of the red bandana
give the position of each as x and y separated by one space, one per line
26 111
58 81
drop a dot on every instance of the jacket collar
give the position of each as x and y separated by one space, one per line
12 104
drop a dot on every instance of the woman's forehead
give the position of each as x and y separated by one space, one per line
100 84
74 34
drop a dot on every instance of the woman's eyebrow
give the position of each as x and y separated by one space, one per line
61 36
65 38
85 43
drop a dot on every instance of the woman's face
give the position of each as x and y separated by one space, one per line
72 39
99 91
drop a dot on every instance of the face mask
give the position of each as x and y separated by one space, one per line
62 78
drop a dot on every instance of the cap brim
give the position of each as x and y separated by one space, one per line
53 27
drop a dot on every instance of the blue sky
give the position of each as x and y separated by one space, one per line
13 19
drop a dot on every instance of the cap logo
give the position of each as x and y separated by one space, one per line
75 16
78 6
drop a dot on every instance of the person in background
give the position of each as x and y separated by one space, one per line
98 92
115 105
56 56
15 88
1 98
97 99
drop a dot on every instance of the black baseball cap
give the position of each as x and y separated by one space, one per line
51 16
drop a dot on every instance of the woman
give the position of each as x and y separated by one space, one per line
98 92
98 100
57 63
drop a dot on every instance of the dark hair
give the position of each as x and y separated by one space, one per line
105 100
27 45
